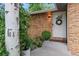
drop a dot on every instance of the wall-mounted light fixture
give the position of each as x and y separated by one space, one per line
49 15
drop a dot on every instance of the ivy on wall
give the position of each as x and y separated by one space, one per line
3 51
24 25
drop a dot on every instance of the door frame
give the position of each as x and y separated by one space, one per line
66 28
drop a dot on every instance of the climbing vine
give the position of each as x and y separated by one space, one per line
24 25
3 51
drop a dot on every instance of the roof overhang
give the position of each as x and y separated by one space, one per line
59 7
41 11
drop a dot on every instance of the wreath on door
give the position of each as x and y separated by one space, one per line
59 20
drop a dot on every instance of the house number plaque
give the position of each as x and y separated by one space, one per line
10 33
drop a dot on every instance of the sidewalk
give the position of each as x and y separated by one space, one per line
51 49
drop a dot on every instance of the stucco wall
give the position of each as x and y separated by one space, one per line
73 28
38 24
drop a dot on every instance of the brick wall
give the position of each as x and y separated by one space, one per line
73 28
38 24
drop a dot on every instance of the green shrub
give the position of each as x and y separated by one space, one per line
46 35
25 42
3 51
36 42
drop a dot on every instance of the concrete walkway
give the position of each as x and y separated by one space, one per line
50 48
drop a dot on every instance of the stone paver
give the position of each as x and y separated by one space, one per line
50 48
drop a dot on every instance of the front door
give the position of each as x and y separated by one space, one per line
59 24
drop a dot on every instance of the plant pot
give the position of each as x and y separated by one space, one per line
26 52
46 43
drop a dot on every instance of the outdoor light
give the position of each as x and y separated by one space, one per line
49 16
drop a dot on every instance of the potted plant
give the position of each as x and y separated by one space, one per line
46 37
26 45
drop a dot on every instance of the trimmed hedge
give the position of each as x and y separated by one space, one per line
46 35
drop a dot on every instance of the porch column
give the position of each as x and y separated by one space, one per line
12 29
73 28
